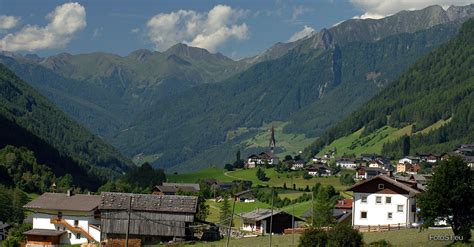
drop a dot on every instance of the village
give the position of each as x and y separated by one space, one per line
379 195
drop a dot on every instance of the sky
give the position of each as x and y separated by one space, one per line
237 29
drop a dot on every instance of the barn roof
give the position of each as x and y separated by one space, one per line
148 202
44 232
60 201
194 186
386 179
263 213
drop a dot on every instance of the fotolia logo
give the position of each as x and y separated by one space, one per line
444 237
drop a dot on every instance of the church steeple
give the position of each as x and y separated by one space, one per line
272 140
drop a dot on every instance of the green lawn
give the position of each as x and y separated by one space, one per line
355 144
211 172
403 238
279 179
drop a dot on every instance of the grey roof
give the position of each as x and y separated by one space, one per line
60 201
178 185
148 202
3 225
44 232
389 180
263 213
244 192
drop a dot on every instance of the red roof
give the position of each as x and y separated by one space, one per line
344 204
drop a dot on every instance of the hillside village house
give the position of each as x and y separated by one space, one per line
298 165
64 219
346 163
368 172
261 159
342 211
383 200
3 230
153 218
467 152
258 221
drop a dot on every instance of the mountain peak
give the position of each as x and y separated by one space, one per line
140 55
184 50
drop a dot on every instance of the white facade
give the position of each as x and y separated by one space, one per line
297 166
347 164
79 220
372 209
405 160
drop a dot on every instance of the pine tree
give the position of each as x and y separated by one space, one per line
225 213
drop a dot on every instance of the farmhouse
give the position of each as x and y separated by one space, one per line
383 201
346 163
173 188
153 218
245 196
258 221
342 211
263 158
368 172
298 165
64 219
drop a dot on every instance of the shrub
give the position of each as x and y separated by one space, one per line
344 235
313 237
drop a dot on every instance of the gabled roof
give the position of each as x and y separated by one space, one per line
244 192
148 202
63 202
388 180
44 232
195 186
263 213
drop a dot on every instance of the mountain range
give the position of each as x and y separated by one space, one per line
186 108
431 107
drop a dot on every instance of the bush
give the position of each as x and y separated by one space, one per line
313 237
344 235
307 176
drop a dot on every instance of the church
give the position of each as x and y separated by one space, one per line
264 158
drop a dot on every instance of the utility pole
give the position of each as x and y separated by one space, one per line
230 224
312 206
293 220
271 221
128 221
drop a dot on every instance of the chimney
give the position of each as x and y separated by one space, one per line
69 192
390 173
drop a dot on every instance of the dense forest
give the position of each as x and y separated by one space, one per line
439 86
29 120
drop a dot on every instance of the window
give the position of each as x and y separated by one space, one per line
378 199
76 222
364 199
69 235
78 235
389 215
400 208
381 186
363 215
388 199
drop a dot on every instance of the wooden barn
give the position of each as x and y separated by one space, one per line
150 218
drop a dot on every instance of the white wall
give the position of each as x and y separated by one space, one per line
377 214
43 221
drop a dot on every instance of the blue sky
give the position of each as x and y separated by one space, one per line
235 28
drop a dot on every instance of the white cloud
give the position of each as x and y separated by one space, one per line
377 9
135 30
8 22
64 22
307 31
205 30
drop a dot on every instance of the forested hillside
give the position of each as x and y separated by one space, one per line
440 86
308 88
29 120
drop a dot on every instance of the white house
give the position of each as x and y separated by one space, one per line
263 158
298 165
64 219
346 163
383 200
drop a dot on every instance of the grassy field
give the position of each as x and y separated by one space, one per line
279 179
211 172
403 238
276 179
354 144
290 143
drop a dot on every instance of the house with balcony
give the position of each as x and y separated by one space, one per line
64 218
382 200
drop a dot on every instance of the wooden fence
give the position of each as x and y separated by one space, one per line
381 228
